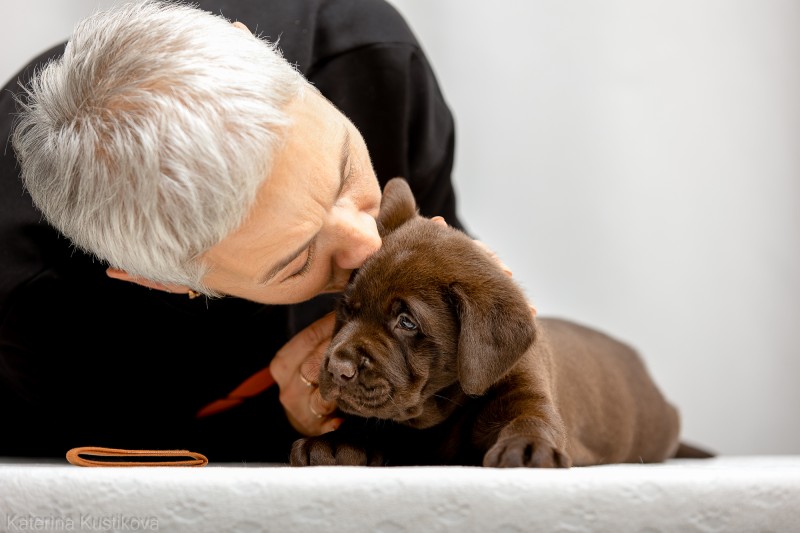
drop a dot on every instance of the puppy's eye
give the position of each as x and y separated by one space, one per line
404 322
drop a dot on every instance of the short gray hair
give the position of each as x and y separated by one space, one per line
146 142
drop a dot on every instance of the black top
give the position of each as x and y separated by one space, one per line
90 361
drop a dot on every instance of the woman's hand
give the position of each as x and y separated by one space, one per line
296 371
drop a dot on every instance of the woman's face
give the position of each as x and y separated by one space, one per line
313 221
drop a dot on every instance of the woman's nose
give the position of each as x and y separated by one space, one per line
357 237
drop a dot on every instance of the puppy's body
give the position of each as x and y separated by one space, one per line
612 410
437 360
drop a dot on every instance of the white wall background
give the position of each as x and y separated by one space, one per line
637 165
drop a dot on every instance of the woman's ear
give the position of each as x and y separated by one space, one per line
166 287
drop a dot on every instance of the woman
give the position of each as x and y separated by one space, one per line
179 155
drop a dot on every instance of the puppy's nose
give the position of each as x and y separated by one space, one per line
342 368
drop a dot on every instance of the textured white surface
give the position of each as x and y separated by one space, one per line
747 493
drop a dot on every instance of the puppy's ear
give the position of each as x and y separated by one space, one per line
497 328
397 206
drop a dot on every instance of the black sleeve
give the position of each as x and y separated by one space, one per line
22 231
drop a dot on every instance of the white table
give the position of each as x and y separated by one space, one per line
725 494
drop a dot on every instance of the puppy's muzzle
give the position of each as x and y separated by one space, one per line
347 377
343 366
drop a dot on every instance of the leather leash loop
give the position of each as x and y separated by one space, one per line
188 458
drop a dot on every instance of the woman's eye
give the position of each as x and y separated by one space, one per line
307 265
404 322
304 269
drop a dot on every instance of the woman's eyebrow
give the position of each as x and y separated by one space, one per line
343 175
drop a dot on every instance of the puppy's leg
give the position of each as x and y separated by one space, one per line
328 450
349 445
534 440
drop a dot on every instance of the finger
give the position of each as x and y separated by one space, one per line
332 425
309 338
311 421
320 406
296 369
241 26
300 411
495 257
439 220
315 426
310 368
288 359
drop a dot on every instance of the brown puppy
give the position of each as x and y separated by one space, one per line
437 360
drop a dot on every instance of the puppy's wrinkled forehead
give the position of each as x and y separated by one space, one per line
417 259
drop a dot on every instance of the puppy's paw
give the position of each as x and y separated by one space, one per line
527 451
332 449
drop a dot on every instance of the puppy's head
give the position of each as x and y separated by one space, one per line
430 313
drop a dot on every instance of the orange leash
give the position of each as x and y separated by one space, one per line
163 457
252 386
